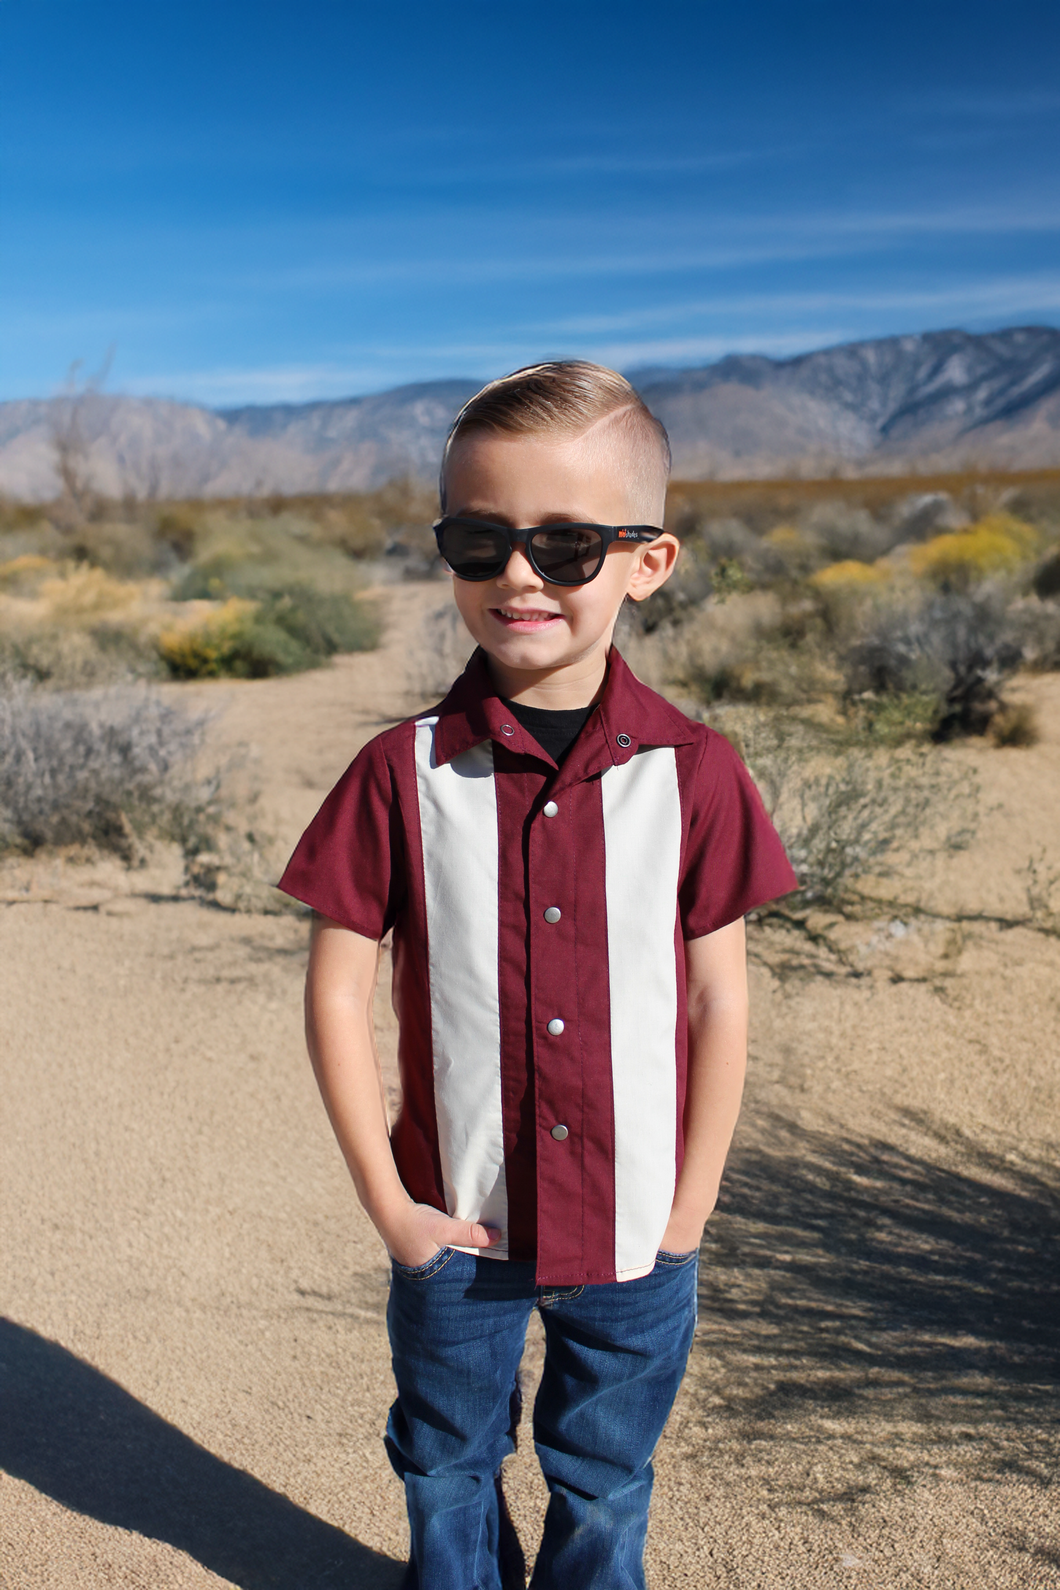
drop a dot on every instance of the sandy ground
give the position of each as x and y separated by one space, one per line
194 1352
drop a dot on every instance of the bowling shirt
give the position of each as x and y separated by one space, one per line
539 915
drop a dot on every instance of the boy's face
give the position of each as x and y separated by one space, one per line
532 630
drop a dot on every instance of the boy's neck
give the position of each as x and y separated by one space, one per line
579 684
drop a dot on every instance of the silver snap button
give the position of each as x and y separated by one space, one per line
553 913
555 1026
623 740
506 728
560 1133
550 809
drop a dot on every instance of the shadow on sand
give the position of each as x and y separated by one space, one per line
80 1438
918 1291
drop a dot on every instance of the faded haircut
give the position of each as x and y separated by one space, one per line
570 397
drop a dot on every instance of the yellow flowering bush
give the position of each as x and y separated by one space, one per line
222 643
850 572
997 544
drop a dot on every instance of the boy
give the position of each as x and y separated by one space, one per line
565 861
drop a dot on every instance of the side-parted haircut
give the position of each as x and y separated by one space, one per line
569 397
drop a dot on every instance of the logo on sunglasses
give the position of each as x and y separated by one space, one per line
627 535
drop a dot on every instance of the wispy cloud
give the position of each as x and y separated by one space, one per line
367 257
383 367
1001 297
296 383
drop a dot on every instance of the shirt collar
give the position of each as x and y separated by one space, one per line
628 716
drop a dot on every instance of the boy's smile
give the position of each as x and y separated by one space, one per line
527 621
548 644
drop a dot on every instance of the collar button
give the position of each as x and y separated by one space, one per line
623 740
507 729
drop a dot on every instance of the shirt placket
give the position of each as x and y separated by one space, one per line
552 889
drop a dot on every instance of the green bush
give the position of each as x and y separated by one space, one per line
282 633
322 622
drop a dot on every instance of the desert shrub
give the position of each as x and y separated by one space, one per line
1046 582
101 768
281 633
776 673
177 526
921 514
289 604
81 594
246 557
1015 724
690 584
721 540
957 648
896 718
237 641
407 509
260 559
439 653
851 573
846 533
847 814
124 547
997 544
799 551
720 557
351 525
730 578
22 575
323 622
72 626
16 517
755 646
1037 624
78 658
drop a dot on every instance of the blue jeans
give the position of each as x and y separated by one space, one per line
614 1358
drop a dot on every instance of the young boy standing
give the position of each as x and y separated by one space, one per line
565 861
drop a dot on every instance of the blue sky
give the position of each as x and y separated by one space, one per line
278 201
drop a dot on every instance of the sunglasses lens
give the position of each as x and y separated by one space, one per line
568 555
474 552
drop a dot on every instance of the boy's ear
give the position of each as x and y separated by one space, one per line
654 566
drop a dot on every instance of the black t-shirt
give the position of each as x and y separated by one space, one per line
555 732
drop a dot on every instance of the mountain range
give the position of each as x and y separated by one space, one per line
937 400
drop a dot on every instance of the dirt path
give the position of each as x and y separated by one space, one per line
194 1349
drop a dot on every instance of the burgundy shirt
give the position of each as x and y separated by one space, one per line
539 915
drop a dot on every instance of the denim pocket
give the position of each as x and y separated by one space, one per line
423 1272
675 1259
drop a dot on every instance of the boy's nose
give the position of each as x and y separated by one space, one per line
519 571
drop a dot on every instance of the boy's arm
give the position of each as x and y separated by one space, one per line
716 967
339 988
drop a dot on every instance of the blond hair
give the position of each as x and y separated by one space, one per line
569 397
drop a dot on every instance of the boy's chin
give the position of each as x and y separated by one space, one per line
535 655
530 654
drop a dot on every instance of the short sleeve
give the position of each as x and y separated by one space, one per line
734 860
350 862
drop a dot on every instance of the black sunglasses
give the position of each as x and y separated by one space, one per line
563 554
